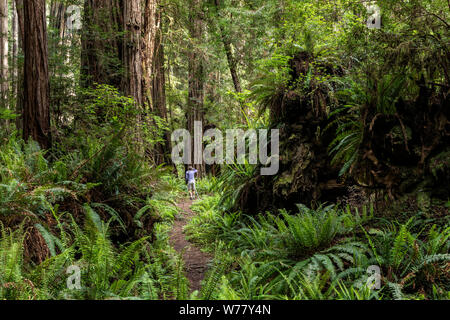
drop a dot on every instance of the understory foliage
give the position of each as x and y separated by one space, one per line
354 106
98 210
136 270
321 254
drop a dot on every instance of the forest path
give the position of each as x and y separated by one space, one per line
195 261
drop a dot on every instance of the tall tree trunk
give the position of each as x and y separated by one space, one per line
36 113
101 53
148 49
4 81
19 36
15 53
20 20
57 16
232 63
132 60
139 53
154 75
159 90
195 112
57 23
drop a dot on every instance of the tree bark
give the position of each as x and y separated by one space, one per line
132 81
15 53
18 26
232 63
57 15
20 20
154 79
159 90
132 62
196 93
137 57
4 67
148 44
57 23
101 54
36 113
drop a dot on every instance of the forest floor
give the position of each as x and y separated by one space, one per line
195 261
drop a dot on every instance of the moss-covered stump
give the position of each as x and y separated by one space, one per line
305 176
403 151
408 151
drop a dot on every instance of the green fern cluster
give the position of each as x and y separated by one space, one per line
136 270
29 183
280 249
219 266
379 94
232 180
309 230
320 254
13 282
207 186
294 236
349 135
207 225
413 260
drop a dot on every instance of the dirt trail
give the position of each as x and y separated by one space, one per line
195 261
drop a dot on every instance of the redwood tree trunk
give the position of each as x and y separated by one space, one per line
154 75
36 113
132 62
15 53
148 48
132 81
18 25
196 97
20 20
4 84
163 150
101 54
57 14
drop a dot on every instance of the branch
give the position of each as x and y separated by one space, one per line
436 16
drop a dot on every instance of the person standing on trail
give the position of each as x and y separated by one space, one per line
190 181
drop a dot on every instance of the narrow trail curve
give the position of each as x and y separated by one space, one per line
195 261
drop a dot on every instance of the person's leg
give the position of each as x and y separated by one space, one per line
190 188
